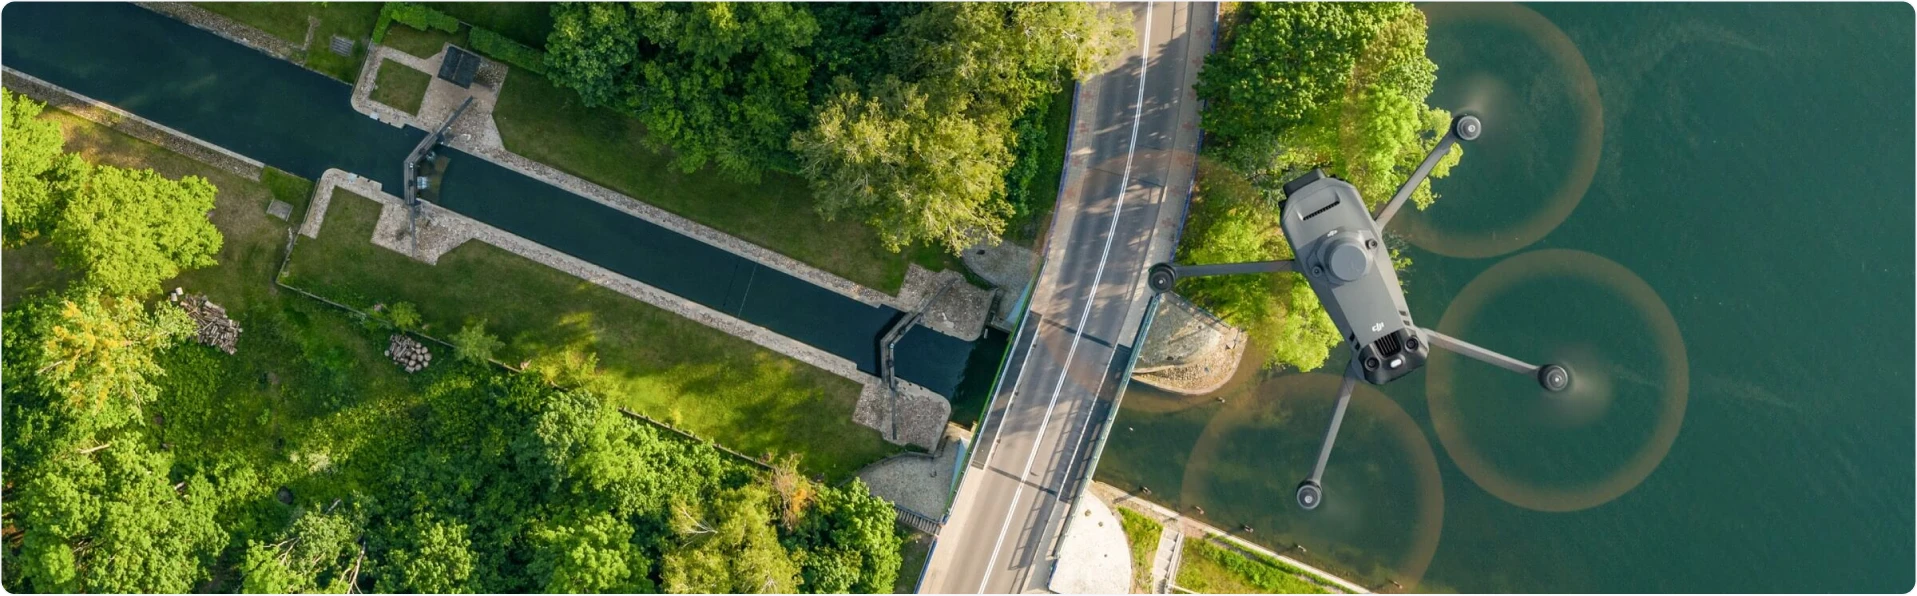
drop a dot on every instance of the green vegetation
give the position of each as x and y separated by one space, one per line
1295 86
1044 156
288 21
118 230
917 548
915 112
412 14
554 126
525 22
1142 534
1209 568
400 86
423 44
703 380
512 52
309 462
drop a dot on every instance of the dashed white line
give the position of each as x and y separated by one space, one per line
1124 181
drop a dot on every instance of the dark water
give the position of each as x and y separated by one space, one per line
302 122
1742 419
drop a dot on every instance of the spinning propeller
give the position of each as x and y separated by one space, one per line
1342 256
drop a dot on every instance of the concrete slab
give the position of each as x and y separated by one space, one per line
1093 557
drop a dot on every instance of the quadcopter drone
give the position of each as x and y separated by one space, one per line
1340 250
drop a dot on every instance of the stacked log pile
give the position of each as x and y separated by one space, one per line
212 326
409 353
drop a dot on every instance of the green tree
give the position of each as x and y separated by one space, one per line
1334 85
97 352
404 315
1284 65
922 152
917 174
848 542
37 176
592 50
473 344
727 545
438 558
317 553
591 556
994 58
112 521
718 83
126 231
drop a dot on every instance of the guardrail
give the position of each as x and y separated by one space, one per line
1105 426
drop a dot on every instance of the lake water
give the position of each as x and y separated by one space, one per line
1706 211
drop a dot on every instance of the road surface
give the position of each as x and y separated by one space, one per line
1126 185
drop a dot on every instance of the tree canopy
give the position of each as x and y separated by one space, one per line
899 114
922 150
719 83
123 231
37 175
1296 86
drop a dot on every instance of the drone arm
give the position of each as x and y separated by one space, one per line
1236 268
1474 352
1337 418
1462 128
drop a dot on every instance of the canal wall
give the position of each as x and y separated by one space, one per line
130 124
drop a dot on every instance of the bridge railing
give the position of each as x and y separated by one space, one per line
1111 415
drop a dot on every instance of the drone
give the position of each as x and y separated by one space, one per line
1340 250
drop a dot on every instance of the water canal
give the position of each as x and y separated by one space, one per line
1744 419
303 122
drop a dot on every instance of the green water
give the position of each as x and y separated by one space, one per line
1753 167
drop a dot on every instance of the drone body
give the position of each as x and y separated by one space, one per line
1339 248
1341 253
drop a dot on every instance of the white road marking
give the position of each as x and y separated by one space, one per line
1091 293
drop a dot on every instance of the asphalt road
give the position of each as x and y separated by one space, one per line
1126 185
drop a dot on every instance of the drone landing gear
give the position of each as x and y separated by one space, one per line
1311 492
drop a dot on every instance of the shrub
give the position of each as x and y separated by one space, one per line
473 344
415 15
498 46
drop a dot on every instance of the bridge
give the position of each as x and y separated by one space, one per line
1125 189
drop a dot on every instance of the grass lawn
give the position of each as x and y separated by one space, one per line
287 21
423 44
524 22
400 86
1142 534
912 555
660 364
551 125
1208 568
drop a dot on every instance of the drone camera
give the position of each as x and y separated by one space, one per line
1392 355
